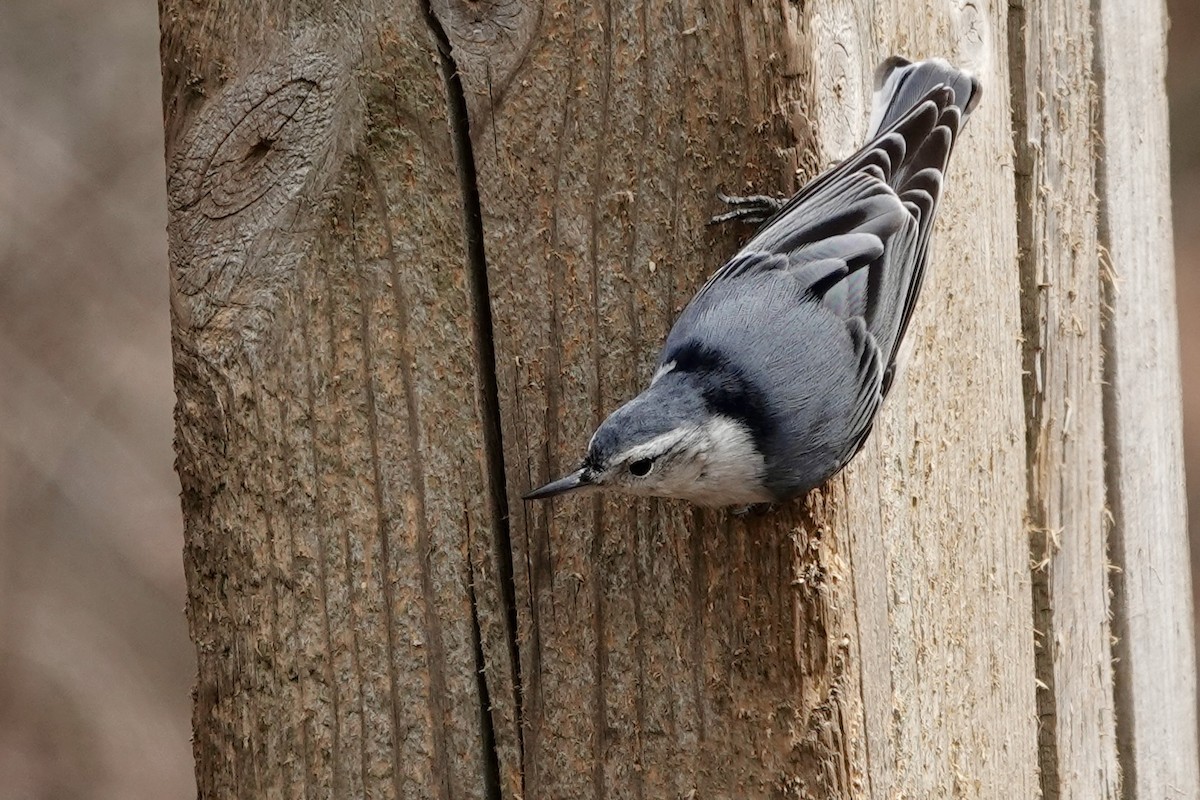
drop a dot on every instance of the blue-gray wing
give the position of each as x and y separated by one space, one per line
889 189
829 244
855 240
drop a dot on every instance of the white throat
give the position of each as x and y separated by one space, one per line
712 464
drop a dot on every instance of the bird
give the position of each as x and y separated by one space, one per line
771 378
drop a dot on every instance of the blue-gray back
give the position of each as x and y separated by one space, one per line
798 333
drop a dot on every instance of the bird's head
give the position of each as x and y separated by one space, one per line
668 442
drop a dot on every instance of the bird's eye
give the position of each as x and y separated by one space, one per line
641 468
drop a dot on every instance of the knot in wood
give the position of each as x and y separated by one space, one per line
269 138
253 146
489 39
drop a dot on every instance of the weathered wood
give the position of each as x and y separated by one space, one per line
1156 675
671 651
339 540
667 651
940 556
418 252
1056 150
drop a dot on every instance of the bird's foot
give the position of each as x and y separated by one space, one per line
754 209
754 510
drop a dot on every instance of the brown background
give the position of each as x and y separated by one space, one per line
95 664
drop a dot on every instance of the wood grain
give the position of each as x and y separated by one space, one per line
667 651
1056 149
340 549
419 251
935 510
811 653
1156 666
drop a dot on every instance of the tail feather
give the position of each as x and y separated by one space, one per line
856 238
874 212
901 88
900 85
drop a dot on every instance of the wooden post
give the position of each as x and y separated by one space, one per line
1152 604
1054 106
418 252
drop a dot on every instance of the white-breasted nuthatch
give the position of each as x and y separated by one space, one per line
771 378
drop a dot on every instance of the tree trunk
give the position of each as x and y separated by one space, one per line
418 253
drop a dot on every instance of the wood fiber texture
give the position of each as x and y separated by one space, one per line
1156 679
339 543
836 648
1055 109
934 507
418 252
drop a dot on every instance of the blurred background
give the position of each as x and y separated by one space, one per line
95 663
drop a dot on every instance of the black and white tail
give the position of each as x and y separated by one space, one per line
900 85
924 104
858 235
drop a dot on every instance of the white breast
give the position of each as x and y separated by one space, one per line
725 470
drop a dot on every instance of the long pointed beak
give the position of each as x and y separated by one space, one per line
576 480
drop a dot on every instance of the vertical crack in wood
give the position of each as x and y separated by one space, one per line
280 649
1052 59
337 779
352 588
487 728
485 353
1033 298
1122 657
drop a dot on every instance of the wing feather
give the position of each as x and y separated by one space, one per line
855 240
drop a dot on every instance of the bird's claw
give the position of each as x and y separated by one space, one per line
753 209
754 510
